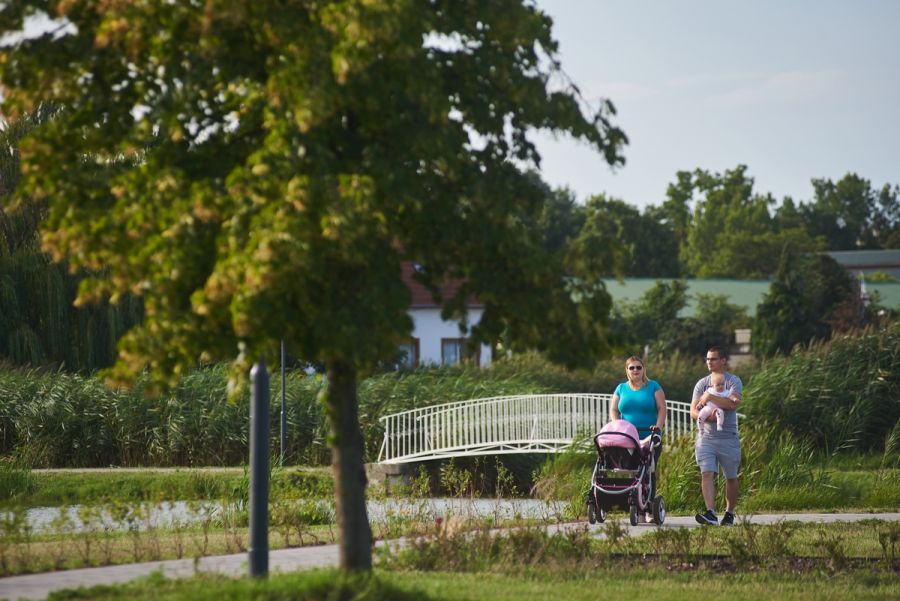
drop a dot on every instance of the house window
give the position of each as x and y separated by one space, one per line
453 351
409 354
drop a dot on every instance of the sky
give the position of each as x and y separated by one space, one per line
793 89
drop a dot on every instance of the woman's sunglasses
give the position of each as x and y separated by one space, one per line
635 367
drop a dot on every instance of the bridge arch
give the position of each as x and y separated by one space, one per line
534 423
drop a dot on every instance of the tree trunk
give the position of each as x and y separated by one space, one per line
355 536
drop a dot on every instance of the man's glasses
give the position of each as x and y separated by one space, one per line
713 358
635 367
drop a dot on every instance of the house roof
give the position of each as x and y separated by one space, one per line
420 297
745 293
868 261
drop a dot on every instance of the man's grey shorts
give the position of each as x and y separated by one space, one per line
724 449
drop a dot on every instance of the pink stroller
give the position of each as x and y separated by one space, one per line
625 474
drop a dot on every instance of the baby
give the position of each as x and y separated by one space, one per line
718 388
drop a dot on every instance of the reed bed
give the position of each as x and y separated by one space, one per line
840 396
71 420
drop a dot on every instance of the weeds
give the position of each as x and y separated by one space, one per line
833 546
615 533
888 538
673 543
458 483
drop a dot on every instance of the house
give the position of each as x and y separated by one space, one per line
435 341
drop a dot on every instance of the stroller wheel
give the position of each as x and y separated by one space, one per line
633 515
592 513
658 506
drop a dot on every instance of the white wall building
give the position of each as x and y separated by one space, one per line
435 341
439 342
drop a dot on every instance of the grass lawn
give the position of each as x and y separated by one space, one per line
571 585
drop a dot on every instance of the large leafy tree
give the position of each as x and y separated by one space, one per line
257 171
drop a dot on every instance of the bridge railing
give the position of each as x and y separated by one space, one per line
539 423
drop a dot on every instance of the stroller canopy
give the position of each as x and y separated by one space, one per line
618 433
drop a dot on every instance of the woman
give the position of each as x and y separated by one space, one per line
639 399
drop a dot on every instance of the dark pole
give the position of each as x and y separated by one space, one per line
259 470
283 410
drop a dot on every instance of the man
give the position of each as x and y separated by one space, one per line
718 448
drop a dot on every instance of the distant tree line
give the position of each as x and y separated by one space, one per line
714 225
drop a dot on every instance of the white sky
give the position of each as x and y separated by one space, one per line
794 89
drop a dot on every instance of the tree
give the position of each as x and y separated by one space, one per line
677 209
560 220
809 291
732 233
258 171
886 220
653 318
658 251
713 323
645 244
38 324
850 214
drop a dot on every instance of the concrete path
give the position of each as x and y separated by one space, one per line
39 586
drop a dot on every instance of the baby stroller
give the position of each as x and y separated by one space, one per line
625 474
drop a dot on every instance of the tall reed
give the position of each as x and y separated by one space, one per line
843 394
840 395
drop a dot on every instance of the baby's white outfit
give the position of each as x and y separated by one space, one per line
711 408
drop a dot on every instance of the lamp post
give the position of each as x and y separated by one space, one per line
258 551
283 410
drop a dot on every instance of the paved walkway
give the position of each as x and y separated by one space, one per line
39 586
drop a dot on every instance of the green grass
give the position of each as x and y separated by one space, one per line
38 488
851 462
654 583
657 584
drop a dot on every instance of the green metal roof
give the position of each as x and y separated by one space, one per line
746 293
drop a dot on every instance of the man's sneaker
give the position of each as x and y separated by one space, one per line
728 519
707 518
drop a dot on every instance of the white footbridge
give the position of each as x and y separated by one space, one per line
534 423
